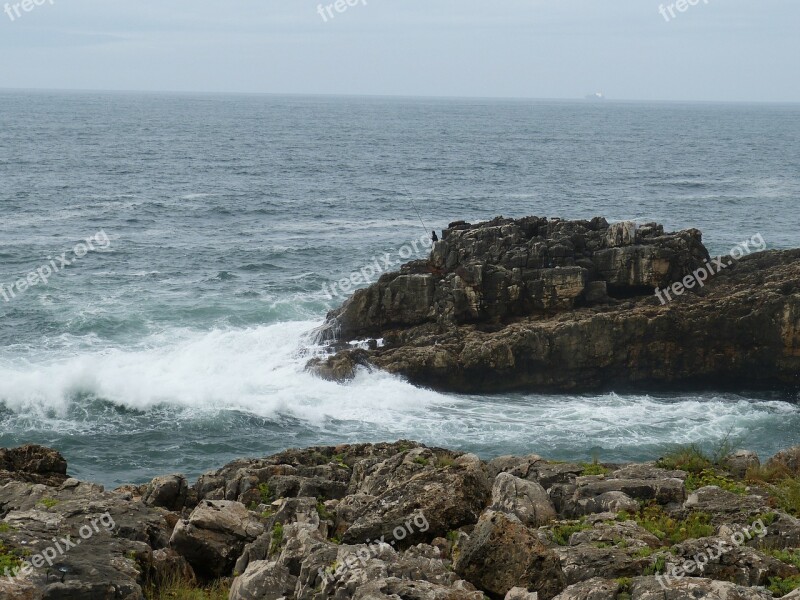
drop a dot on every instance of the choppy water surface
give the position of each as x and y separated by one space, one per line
182 345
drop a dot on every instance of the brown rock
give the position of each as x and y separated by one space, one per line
502 554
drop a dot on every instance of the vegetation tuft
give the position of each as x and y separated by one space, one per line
180 589
277 538
562 533
668 529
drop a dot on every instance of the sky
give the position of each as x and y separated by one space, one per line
729 50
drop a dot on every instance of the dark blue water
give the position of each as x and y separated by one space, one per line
180 343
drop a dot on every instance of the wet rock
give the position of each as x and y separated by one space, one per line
341 367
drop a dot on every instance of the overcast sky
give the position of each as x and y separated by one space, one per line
742 50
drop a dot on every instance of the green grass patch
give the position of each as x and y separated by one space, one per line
322 511
790 557
277 538
266 493
48 502
689 458
711 477
5 527
766 518
594 468
339 460
421 461
562 533
8 560
668 529
659 566
780 587
787 495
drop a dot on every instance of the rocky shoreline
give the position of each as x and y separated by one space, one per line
405 521
548 305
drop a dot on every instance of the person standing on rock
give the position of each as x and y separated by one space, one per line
434 237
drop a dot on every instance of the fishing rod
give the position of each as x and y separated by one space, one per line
419 216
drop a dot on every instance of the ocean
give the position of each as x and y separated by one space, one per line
176 338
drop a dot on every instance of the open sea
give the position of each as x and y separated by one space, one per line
178 341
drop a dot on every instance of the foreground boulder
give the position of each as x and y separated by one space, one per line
551 305
425 504
501 554
214 536
77 541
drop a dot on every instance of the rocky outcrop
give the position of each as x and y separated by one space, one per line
35 464
403 520
552 305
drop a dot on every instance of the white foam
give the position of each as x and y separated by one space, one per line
258 370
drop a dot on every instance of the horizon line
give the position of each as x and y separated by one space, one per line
396 96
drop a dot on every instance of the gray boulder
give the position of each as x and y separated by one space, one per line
527 500
214 536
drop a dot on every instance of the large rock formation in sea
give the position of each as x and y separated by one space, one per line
403 520
552 305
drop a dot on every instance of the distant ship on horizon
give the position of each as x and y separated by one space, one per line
595 96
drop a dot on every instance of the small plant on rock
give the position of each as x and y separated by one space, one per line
710 477
562 533
781 587
689 458
8 559
266 493
277 538
322 511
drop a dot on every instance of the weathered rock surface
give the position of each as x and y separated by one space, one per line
389 521
552 305
103 544
502 554
35 464
787 459
214 535
526 500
